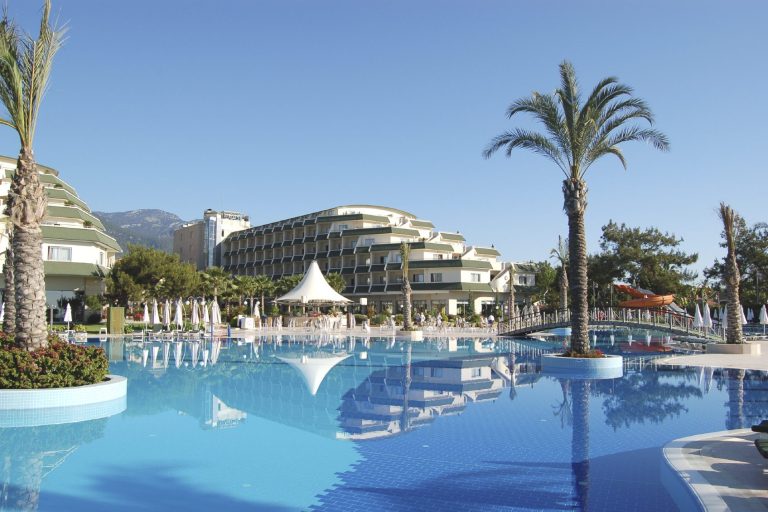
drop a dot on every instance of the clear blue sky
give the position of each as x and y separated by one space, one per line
282 107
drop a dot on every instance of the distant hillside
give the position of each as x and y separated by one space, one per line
153 228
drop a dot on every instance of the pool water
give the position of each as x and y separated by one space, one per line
342 423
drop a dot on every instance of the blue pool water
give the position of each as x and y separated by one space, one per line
337 423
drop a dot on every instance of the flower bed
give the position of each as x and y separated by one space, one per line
60 365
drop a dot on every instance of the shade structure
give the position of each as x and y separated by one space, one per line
698 321
68 313
145 317
750 315
155 313
314 367
743 318
763 315
706 316
313 289
178 318
215 313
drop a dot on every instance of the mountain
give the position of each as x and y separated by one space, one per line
153 228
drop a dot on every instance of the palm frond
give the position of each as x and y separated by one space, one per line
525 139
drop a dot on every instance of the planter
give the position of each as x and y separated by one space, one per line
411 335
608 367
113 388
751 349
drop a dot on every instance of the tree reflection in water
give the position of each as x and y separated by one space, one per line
641 397
30 453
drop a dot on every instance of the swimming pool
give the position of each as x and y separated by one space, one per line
341 423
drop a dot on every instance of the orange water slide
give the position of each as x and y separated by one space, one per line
643 298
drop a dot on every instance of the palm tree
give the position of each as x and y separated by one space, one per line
511 298
577 135
560 253
25 66
734 332
215 281
336 281
248 287
264 286
405 253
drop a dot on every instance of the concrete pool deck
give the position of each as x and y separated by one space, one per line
723 469
735 361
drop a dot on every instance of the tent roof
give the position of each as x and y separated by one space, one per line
313 289
314 368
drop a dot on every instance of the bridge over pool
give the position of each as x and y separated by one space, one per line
651 319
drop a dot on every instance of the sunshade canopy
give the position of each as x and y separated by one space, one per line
313 289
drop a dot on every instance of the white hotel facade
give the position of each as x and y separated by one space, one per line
77 252
362 243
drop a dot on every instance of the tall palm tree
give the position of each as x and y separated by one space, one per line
25 66
732 277
405 254
560 253
264 286
576 135
248 287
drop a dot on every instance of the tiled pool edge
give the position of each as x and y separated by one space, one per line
114 388
702 491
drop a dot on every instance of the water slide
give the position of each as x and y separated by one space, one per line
643 298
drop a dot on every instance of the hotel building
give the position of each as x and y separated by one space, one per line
199 242
362 243
77 252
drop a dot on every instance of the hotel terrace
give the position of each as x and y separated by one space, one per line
362 243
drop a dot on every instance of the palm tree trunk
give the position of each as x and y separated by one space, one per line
734 332
575 194
407 304
9 296
563 288
28 202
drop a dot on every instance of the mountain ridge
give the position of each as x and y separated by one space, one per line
150 227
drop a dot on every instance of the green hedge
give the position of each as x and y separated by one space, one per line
59 365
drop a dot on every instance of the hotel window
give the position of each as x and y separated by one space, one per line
101 258
382 259
522 280
436 372
475 373
418 278
474 277
368 242
342 227
59 253
436 278
418 371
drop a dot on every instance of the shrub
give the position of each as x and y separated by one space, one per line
80 328
59 365
379 319
399 319
361 318
592 354
94 318
128 329
58 328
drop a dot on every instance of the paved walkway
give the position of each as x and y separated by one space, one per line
723 469
737 361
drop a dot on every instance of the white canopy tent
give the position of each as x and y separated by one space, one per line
313 367
313 290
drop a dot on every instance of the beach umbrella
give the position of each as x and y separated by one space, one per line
716 314
195 314
743 318
167 313
763 317
706 317
2 311
68 315
698 322
178 318
256 309
145 318
724 316
155 313
206 316
215 313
